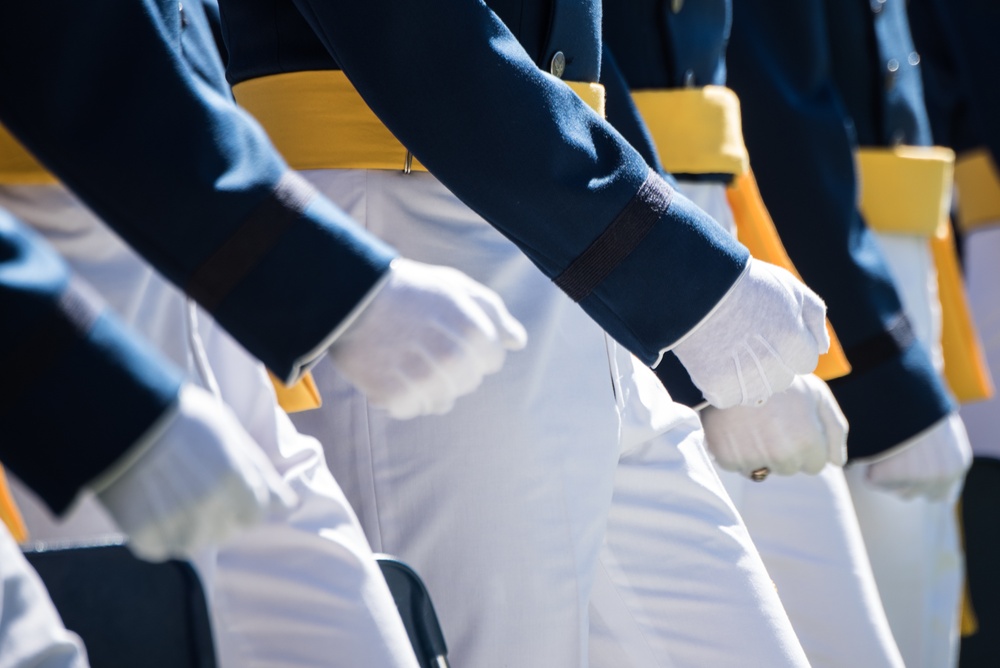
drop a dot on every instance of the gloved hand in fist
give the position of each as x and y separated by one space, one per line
798 430
931 464
767 329
196 478
428 336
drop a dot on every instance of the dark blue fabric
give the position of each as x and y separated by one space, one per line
958 39
801 148
84 397
127 611
139 123
946 97
455 86
658 48
877 71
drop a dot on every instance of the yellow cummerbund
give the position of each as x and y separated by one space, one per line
318 120
906 189
9 513
965 367
302 396
978 184
696 130
17 166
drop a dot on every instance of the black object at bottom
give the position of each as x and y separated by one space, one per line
415 607
129 612
980 509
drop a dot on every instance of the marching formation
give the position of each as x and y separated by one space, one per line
639 331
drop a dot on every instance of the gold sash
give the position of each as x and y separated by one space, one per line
302 396
907 190
696 130
978 184
318 120
9 514
700 131
17 166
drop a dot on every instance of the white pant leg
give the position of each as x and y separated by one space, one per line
31 633
917 560
808 535
680 582
300 591
500 504
982 264
914 545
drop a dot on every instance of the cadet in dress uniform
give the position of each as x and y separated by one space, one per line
796 71
87 405
241 234
804 525
570 480
956 44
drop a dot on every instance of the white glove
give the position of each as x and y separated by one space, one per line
766 330
191 482
428 336
800 429
931 464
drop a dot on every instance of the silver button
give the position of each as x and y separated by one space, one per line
877 6
689 79
676 6
892 65
558 64
913 59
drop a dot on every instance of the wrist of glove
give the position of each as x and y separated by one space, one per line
192 481
427 337
932 464
768 329
798 430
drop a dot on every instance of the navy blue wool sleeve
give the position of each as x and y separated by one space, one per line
139 122
798 135
457 88
78 389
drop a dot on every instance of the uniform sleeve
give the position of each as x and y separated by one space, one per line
524 152
626 119
956 39
127 104
78 389
795 130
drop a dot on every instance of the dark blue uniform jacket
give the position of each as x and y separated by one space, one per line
463 86
126 102
801 152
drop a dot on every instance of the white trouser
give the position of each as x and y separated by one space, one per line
31 633
982 265
914 545
568 472
807 533
303 591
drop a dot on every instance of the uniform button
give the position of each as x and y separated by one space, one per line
877 6
892 69
913 59
676 6
689 79
558 65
